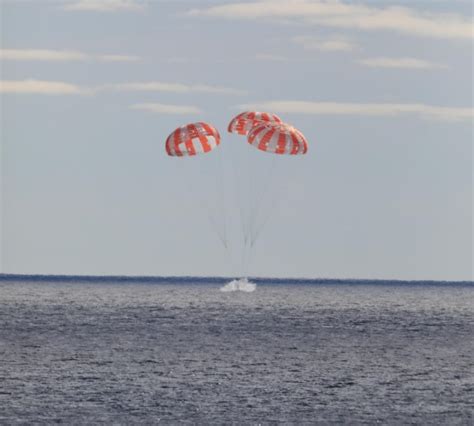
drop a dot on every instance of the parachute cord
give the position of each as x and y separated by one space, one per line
238 189
240 186
252 192
215 226
225 183
248 260
274 206
257 209
225 208
253 185
243 269
205 207
221 196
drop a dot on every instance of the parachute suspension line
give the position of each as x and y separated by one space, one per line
276 200
251 250
233 186
215 226
251 182
241 184
222 205
239 188
206 208
247 258
258 194
257 210
225 189
245 179
256 185
259 228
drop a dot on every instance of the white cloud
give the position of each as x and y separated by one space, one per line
325 45
334 13
51 87
105 5
166 108
410 63
363 109
59 56
41 55
157 86
40 87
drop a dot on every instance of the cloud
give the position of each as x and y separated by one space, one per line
166 109
41 55
51 87
59 56
40 87
157 86
105 5
335 14
327 45
363 109
409 63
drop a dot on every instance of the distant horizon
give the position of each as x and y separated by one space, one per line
142 278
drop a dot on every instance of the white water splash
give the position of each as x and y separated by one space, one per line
241 284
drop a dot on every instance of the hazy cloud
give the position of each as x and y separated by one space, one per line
333 13
105 5
41 55
59 56
410 63
325 45
40 87
166 109
157 86
363 109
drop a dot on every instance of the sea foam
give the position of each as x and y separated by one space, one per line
241 284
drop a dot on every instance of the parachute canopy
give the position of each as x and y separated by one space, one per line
192 139
277 138
245 121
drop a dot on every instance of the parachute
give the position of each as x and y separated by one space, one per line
192 139
277 138
245 121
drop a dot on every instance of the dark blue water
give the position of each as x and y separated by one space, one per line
131 352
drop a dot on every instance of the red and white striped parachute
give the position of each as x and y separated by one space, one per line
245 121
278 138
192 139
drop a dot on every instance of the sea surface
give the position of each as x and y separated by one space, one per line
203 351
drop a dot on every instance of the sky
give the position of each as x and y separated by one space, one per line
382 91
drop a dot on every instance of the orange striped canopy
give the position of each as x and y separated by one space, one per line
245 121
278 138
192 139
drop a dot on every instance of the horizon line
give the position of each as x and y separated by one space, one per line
200 278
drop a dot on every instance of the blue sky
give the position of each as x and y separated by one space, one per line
382 90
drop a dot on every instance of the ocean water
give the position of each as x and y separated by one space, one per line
209 352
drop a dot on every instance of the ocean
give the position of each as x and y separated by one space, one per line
205 351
